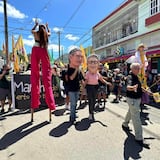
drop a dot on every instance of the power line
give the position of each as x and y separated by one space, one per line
74 13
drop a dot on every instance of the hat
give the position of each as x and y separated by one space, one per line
140 45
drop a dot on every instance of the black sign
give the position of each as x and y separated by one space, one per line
23 91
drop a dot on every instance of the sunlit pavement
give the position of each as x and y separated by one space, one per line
103 139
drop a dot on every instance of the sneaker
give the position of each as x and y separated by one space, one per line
115 101
100 105
126 129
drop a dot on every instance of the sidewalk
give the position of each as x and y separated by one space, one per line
101 140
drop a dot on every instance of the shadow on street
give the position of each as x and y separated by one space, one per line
60 130
145 115
131 149
18 133
83 125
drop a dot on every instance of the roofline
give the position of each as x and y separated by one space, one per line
114 12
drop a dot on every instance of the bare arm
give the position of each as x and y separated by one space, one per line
48 30
34 27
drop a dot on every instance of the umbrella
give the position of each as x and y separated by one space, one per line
131 59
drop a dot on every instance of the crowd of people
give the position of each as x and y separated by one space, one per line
94 85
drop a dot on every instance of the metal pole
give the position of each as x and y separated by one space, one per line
62 54
59 49
6 31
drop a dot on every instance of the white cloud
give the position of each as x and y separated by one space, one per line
53 47
12 11
56 29
71 37
28 42
30 36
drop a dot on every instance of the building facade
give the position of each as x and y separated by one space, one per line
116 37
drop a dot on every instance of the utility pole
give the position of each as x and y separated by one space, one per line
6 31
62 54
59 44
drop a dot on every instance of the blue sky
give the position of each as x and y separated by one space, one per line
73 18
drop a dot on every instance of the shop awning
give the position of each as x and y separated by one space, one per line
149 54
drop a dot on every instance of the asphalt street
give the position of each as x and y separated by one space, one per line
103 139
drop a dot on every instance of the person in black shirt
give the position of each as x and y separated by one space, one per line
5 87
74 77
134 94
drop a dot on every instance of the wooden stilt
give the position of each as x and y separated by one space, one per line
32 111
50 115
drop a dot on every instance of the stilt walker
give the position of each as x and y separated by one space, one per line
40 62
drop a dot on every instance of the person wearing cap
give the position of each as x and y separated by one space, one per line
5 88
40 55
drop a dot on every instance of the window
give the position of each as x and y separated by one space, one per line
155 7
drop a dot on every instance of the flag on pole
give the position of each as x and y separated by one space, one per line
84 63
19 47
15 57
61 64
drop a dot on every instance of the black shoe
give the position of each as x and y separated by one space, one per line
115 101
2 111
143 144
127 129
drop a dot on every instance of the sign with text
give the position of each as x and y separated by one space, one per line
22 88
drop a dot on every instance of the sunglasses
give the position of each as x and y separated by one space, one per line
93 62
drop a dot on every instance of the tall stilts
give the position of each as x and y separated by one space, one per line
50 115
32 111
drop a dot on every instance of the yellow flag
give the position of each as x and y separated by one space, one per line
19 47
61 64
84 63
15 57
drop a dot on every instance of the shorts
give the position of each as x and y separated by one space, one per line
5 93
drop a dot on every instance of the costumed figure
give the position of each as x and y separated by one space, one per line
142 60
